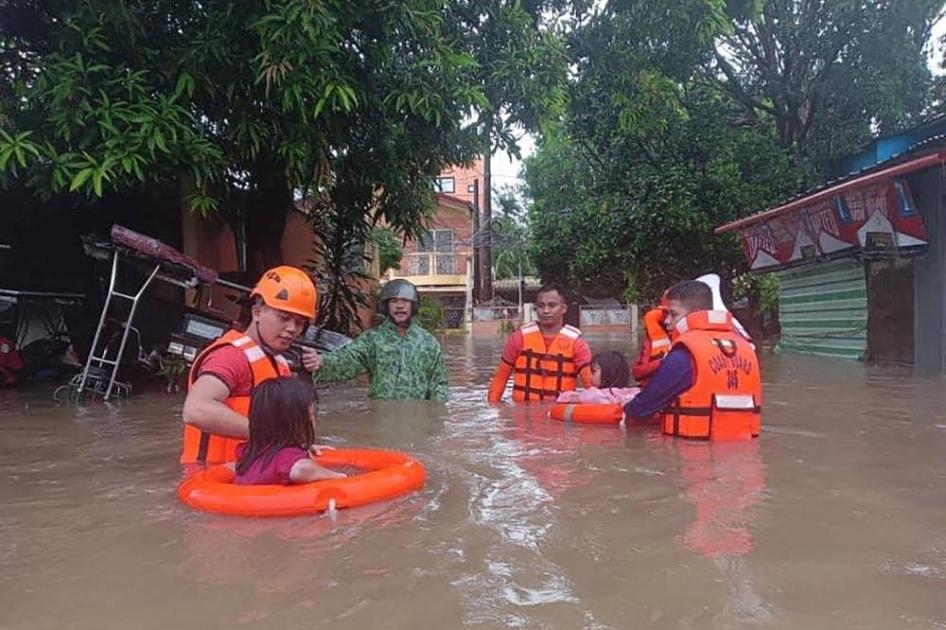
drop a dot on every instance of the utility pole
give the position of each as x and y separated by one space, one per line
476 235
519 258
486 231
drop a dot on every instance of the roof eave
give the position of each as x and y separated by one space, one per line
915 164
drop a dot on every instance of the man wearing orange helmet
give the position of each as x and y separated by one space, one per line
223 376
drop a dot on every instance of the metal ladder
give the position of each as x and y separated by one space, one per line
101 361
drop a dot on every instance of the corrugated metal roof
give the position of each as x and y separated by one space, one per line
836 187
823 309
858 178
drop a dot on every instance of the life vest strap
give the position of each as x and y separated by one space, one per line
538 356
544 393
678 411
528 372
689 411
558 373
544 372
203 447
708 411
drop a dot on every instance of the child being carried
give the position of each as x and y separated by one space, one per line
610 376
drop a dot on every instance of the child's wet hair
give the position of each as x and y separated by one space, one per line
279 417
615 371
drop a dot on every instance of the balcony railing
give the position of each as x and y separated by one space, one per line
433 264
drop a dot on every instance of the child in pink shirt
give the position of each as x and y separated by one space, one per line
282 432
610 376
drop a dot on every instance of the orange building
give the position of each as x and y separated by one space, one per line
461 181
213 243
440 264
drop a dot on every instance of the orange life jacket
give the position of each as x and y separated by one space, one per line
655 347
207 448
542 373
725 400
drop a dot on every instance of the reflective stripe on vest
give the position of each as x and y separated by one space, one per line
542 372
207 448
725 400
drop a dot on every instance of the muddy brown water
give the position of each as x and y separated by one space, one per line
835 518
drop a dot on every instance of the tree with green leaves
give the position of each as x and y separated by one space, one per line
509 237
389 248
826 74
650 220
520 68
241 106
685 115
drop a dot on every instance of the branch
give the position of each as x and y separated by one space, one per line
734 87
590 152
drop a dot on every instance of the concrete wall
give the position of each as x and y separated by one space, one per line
930 272
212 243
618 319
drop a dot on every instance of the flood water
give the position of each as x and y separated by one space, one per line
834 518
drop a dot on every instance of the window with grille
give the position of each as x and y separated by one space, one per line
440 244
439 241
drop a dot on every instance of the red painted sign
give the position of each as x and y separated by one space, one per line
877 217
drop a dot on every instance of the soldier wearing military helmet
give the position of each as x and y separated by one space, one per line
403 360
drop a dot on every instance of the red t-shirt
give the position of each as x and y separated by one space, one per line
230 365
514 347
275 472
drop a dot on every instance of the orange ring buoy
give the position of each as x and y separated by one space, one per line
587 413
389 474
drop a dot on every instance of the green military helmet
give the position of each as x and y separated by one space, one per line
398 288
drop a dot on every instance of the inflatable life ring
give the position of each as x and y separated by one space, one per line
587 413
388 475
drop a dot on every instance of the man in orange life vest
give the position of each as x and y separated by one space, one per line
657 339
546 357
224 374
708 385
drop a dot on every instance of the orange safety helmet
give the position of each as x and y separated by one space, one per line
288 289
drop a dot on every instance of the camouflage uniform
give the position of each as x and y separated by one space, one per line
400 366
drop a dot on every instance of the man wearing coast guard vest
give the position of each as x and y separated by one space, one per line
546 357
658 339
224 375
708 386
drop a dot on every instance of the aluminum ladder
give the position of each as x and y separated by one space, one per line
101 362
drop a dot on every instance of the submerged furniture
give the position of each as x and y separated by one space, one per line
44 307
202 324
159 261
